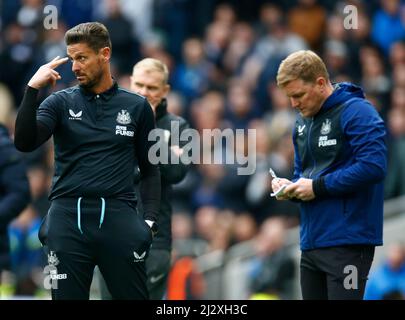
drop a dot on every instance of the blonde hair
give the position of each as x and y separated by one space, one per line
150 64
304 64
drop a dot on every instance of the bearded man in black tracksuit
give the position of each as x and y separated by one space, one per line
100 133
150 79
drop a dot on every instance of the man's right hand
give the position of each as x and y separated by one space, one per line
276 184
46 74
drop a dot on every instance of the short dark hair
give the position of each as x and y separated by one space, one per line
94 34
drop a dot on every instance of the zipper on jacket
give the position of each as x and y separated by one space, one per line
309 176
309 148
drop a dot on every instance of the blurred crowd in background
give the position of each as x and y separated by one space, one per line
223 58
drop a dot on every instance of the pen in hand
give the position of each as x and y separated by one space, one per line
273 174
281 189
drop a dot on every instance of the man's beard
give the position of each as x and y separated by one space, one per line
92 82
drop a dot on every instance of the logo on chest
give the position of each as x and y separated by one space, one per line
123 131
123 117
325 142
75 116
323 139
301 130
326 127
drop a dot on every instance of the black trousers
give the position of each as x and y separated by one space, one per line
118 243
158 266
335 273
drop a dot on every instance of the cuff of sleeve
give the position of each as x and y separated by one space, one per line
31 92
319 187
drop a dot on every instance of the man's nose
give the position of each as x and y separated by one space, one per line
143 92
294 103
75 66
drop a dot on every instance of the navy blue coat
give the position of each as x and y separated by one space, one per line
342 148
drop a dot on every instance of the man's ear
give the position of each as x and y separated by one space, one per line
106 53
167 89
321 81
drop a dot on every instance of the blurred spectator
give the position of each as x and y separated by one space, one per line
182 226
388 24
14 188
216 41
244 227
124 46
76 11
40 182
192 76
269 14
206 193
335 28
222 231
172 19
276 44
374 79
8 12
394 183
336 57
140 14
16 58
30 13
272 271
27 256
185 241
398 76
388 280
208 111
308 20
185 281
397 53
240 46
240 108
356 39
205 220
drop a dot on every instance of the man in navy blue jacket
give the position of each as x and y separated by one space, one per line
14 191
340 165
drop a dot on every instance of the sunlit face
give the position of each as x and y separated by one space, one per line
87 65
306 97
150 84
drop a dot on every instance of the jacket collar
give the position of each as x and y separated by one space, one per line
161 109
106 95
